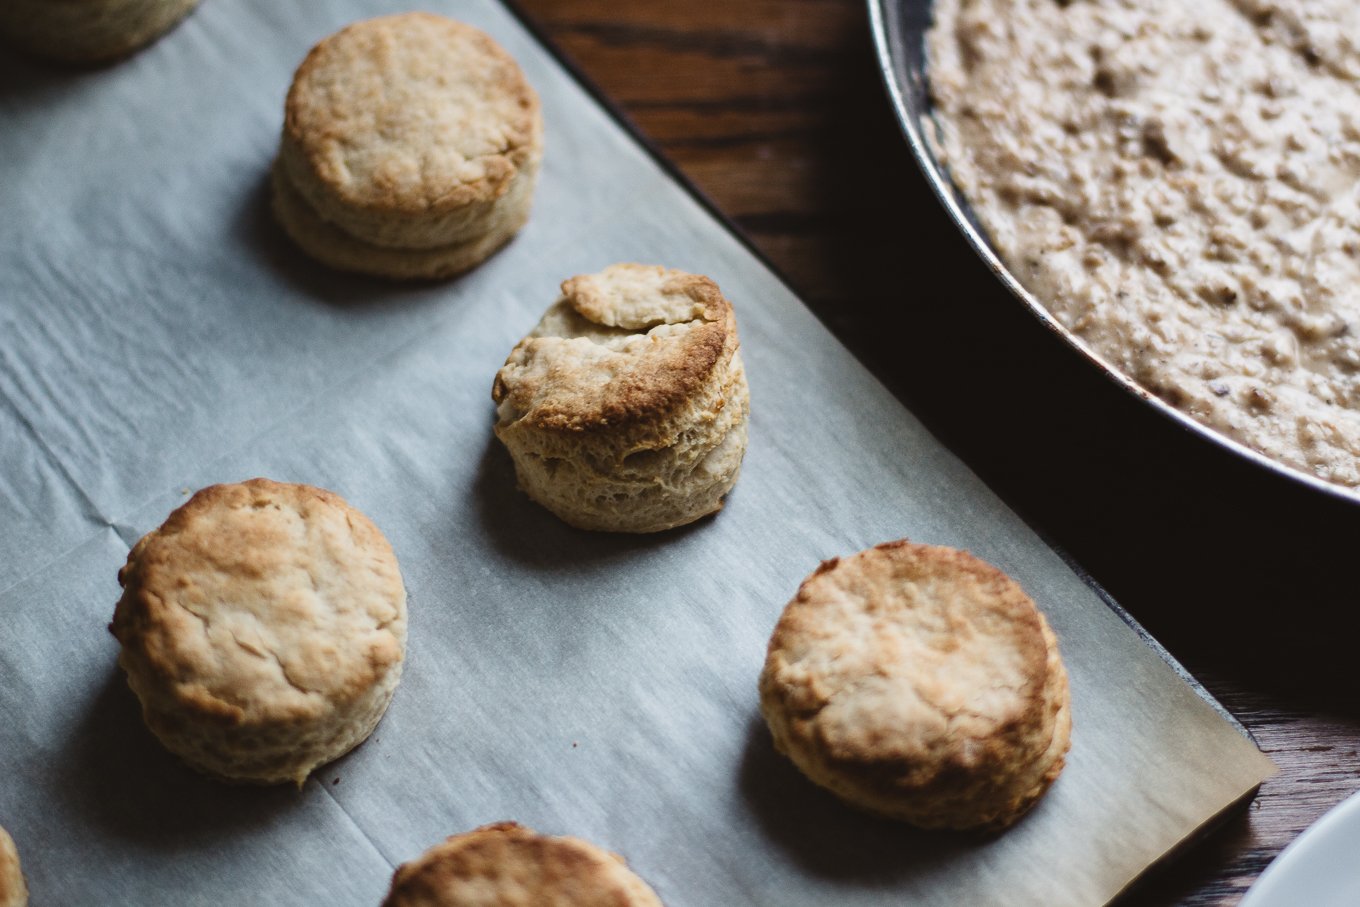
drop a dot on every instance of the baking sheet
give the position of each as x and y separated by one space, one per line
157 333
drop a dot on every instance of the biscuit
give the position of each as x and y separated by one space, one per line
334 247
507 865
263 628
625 409
410 148
88 31
13 891
919 683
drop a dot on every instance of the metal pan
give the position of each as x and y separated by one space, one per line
899 28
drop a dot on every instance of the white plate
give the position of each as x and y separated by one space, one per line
1319 868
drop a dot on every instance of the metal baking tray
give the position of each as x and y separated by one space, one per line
899 28
158 333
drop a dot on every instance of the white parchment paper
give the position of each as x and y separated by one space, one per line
158 333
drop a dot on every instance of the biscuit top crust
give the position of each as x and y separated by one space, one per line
507 865
412 113
627 345
912 657
262 601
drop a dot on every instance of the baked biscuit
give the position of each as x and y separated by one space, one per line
507 865
625 409
263 628
88 31
920 683
410 148
13 891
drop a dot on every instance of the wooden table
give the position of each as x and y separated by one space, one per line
774 109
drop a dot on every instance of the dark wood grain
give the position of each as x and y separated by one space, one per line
774 110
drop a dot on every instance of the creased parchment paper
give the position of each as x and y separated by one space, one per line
157 333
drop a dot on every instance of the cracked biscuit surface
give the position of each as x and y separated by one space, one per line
13 891
626 408
920 683
263 628
507 865
410 148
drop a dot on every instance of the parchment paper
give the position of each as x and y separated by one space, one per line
157 333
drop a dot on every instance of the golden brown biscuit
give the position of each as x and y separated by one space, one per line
332 246
88 31
263 628
411 144
507 865
625 409
920 683
13 891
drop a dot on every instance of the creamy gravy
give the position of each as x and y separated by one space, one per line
1176 180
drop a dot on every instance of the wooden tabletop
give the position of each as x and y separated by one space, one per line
775 111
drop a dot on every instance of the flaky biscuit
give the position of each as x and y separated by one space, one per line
263 628
88 31
626 408
334 247
920 683
411 133
507 865
13 891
